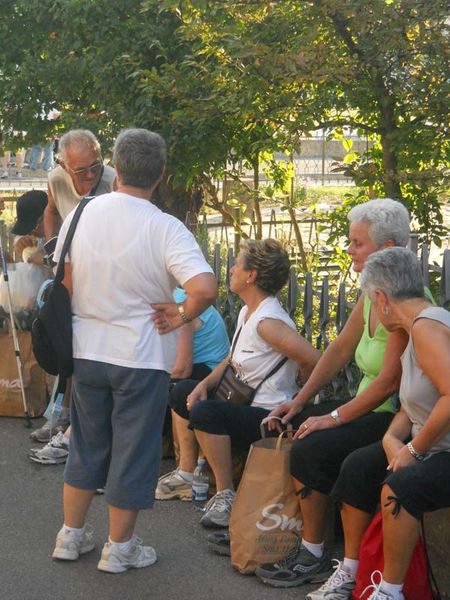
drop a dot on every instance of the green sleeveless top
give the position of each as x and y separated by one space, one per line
369 354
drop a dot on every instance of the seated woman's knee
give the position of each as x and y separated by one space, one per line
206 413
355 463
178 394
309 450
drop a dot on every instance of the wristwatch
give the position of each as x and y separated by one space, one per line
414 452
334 414
182 314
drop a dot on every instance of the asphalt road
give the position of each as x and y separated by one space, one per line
31 515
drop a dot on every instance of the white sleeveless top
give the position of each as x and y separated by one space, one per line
418 395
253 358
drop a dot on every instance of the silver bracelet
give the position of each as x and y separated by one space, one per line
414 452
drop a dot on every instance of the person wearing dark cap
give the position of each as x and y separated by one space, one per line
29 227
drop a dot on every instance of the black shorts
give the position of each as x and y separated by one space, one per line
423 487
316 459
240 423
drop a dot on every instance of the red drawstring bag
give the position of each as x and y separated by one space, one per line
416 585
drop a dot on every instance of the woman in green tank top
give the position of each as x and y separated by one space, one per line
327 433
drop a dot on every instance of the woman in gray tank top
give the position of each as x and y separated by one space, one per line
415 451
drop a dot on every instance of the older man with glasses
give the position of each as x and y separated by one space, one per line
80 173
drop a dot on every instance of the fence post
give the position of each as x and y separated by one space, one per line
445 280
307 308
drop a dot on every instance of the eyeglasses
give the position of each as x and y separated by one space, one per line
95 168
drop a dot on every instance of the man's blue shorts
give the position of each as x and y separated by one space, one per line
117 416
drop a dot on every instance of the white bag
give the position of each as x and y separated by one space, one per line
25 279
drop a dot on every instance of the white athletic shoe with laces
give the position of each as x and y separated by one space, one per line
53 453
173 486
69 546
114 560
339 585
377 592
218 509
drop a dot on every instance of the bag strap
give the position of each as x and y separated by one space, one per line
289 431
276 368
233 346
70 233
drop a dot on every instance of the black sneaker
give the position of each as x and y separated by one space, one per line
297 568
219 543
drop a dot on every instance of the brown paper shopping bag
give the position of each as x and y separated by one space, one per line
265 519
11 404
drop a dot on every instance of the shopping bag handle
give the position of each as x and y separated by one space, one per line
289 431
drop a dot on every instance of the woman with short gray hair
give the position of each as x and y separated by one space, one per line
330 431
411 465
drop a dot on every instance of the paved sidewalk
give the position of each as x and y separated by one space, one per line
31 514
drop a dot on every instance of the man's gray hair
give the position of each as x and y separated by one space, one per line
395 271
140 157
78 138
388 219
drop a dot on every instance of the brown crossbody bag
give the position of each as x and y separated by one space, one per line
232 389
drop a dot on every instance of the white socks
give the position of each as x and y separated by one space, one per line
186 475
123 546
395 589
315 549
350 565
78 533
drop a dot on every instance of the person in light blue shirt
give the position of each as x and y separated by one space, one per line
210 343
202 345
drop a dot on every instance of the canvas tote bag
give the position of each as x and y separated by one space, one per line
34 378
265 519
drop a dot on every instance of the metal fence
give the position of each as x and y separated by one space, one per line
320 307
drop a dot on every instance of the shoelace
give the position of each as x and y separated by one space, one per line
88 532
291 554
337 578
221 502
57 440
376 594
168 477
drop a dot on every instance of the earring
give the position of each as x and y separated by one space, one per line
248 281
386 311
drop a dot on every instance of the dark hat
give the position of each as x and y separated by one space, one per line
29 208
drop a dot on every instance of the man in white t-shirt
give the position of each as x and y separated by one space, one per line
125 259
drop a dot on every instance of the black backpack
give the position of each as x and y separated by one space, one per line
51 331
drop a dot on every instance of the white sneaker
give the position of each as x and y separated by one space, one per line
42 435
218 509
4 175
173 486
339 586
114 560
377 592
53 453
69 547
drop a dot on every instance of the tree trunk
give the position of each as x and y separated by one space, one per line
388 130
185 204
257 207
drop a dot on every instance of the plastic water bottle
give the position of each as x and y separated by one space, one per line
200 482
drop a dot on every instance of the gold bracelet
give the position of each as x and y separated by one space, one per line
182 314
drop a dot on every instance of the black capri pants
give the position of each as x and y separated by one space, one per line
316 459
423 487
240 423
